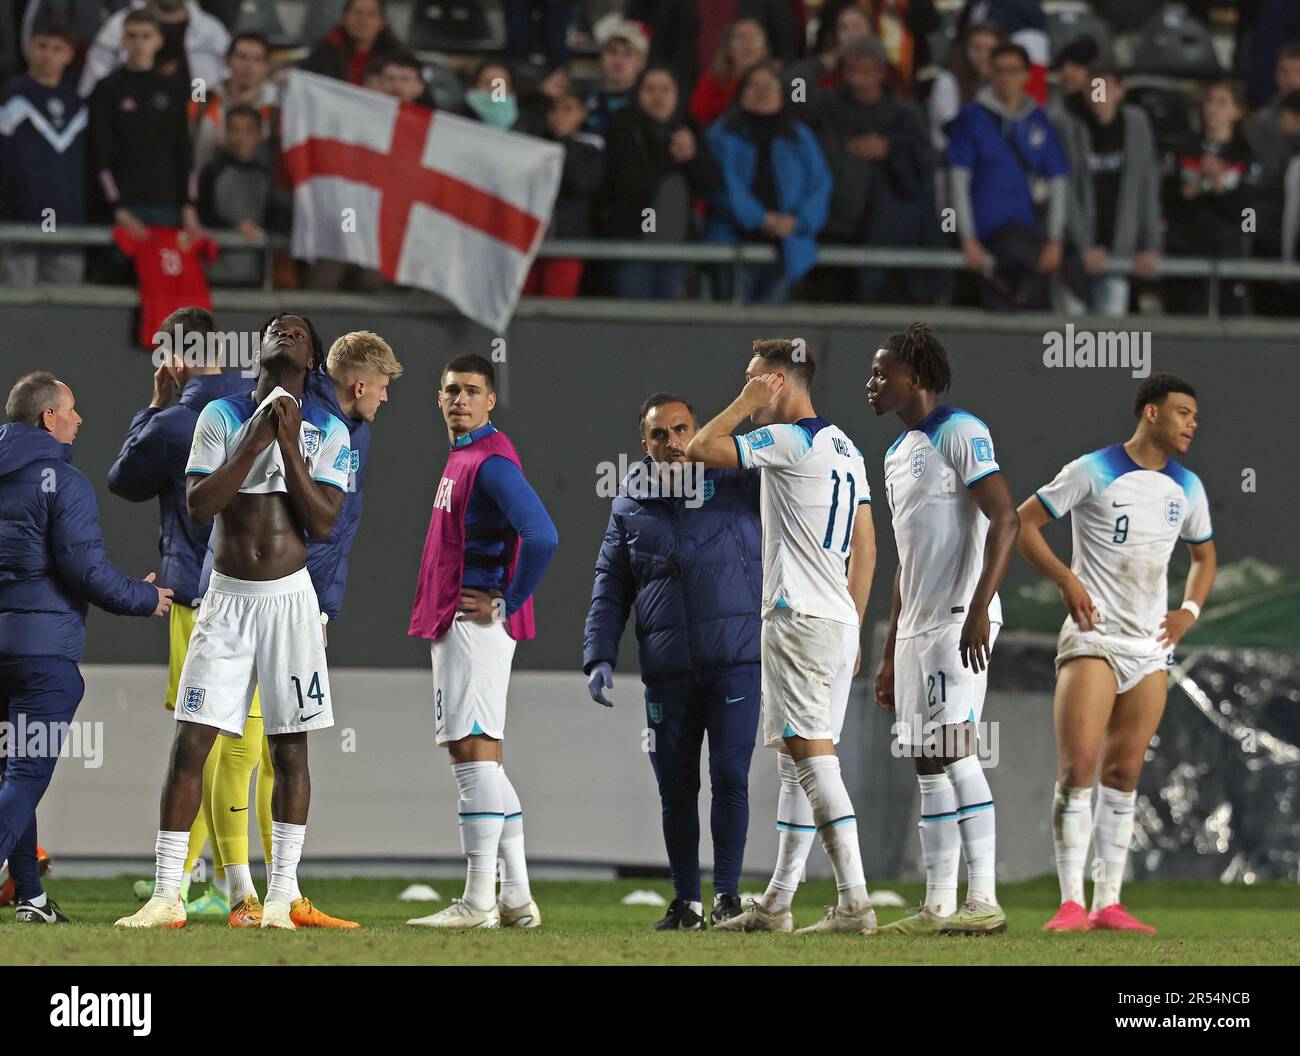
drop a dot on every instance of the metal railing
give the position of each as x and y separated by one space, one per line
1214 270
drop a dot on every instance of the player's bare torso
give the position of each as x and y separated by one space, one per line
258 537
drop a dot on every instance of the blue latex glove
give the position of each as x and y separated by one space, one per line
600 679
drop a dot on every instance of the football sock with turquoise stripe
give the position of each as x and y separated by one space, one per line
1112 837
976 821
481 815
940 842
795 833
515 891
836 825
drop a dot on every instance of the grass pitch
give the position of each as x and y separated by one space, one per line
1199 922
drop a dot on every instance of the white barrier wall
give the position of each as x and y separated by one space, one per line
380 788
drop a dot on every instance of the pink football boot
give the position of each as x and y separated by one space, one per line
1070 917
1117 918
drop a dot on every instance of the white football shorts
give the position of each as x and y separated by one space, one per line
807 669
257 633
931 687
1131 659
471 677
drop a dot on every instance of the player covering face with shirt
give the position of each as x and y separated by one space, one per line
273 474
1128 504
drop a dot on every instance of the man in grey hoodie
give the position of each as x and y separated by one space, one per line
1114 189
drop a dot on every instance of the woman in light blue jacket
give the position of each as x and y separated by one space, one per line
776 186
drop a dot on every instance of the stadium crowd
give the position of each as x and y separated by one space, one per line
779 122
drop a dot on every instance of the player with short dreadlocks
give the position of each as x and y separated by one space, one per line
955 526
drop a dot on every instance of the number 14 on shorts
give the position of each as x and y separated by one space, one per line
314 693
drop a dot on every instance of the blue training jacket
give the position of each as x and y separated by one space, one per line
327 561
52 558
803 190
694 575
151 465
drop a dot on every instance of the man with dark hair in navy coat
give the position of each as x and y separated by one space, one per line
52 566
685 546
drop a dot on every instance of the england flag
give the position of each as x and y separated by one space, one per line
427 198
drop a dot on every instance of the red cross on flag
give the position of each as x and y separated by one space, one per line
427 198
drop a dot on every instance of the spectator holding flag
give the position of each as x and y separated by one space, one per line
362 34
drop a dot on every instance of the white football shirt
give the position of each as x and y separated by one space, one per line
813 481
938 528
322 441
1124 523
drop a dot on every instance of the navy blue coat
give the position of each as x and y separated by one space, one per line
327 562
694 575
151 465
52 559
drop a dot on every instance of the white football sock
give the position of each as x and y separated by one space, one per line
1071 830
977 824
240 881
170 850
836 825
940 842
481 817
1113 835
795 835
286 850
515 891
39 901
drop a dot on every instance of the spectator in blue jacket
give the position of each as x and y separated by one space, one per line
52 567
44 139
776 186
686 551
1006 165
351 384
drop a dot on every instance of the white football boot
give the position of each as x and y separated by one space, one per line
276 915
863 922
525 916
757 918
459 916
156 913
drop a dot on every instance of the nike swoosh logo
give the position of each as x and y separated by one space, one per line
304 718
236 810
1120 505
734 700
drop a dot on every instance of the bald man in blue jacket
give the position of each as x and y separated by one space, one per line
53 566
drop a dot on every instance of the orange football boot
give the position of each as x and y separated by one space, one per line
305 915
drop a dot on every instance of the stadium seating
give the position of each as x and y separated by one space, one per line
450 25
1169 109
1174 42
1068 24
261 16
322 16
